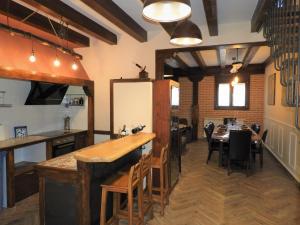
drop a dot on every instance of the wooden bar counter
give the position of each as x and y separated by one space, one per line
70 185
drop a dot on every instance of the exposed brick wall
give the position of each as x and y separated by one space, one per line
186 95
256 107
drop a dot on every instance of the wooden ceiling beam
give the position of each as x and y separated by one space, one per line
117 16
60 10
251 51
210 8
222 57
180 62
36 20
259 15
198 58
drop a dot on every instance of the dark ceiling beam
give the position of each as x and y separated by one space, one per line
198 58
180 62
259 15
222 57
211 47
117 16
59 10
249 55
210 8
36 20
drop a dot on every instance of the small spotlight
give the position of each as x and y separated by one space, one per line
56 62
32 57
74 66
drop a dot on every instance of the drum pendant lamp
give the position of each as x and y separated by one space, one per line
186 33
167 10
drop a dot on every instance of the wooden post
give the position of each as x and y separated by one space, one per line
195 109
10 178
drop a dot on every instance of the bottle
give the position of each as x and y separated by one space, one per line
138 129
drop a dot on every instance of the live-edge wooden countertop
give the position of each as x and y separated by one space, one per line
107 151
112 150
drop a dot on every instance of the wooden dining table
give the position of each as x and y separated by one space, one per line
221 135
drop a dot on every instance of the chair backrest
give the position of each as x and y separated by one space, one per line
146 163
239 144
164 155
255 127
264 136
134 176
228 120
209 129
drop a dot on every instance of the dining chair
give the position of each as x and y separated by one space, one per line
212 145
259 149
255 127
239 149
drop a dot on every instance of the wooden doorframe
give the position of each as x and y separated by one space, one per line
88 86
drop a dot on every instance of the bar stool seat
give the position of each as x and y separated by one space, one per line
123 184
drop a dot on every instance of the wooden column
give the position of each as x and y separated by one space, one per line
160 64
85 187
89 91
10 177
195 109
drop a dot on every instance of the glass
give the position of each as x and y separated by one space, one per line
224 94
239 94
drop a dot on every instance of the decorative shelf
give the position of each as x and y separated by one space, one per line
74 100
5 105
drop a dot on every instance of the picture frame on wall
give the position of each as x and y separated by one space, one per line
20 131
271 89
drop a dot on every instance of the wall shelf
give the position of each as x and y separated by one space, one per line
2 104
5 105
74 100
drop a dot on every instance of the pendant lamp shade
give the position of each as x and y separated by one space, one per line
167 10
186 33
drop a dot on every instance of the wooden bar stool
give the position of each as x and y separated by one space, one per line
126 184
161 164
146 173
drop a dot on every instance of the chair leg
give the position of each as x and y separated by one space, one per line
130 207
261 156
116 207
247 168
228 167
140 202
209 156
162 193
103 207
167 185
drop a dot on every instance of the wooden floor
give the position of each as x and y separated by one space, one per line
205 195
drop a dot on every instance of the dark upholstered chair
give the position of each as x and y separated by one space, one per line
212 145
255 127
239 148
259 149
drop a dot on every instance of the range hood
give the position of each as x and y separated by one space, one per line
43 93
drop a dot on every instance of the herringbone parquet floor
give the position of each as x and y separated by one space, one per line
205 195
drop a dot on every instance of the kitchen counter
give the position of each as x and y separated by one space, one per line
13 143
70 185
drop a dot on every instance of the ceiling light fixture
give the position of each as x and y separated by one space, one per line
74 66
56 62
186 33
167 10
32 57
237 64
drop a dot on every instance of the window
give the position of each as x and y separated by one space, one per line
231 97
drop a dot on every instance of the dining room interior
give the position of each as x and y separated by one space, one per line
157 112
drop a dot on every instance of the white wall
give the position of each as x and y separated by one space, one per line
283 138
104 62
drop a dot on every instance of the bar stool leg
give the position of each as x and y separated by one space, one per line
103 207
162 191
116 207
130 207
167 184
140 202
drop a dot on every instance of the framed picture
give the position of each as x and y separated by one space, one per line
20 131
271 89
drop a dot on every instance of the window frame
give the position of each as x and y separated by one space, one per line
243 78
